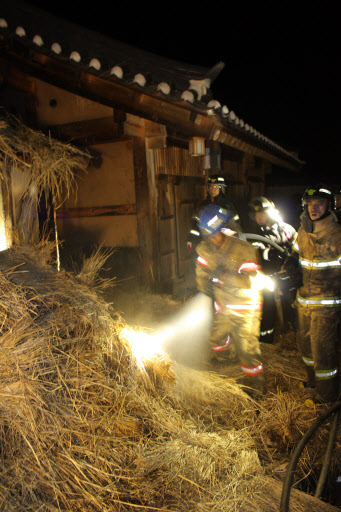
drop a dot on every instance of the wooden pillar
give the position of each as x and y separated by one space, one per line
3 241
5 186
145 191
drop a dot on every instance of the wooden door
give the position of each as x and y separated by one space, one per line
167 238
178 197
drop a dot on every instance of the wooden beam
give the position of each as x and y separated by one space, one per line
88 132
131 99
156 142
154 129
96 211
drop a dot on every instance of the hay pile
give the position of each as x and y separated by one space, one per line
84 428
53 165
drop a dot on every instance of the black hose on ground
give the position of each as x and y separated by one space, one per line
327 456
284 507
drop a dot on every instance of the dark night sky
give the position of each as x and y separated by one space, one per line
282 66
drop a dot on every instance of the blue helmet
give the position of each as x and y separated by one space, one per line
212 218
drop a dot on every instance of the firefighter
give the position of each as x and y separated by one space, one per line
225 268
318 300
337 197
216 190
266 221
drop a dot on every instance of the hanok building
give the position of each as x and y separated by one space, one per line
152 126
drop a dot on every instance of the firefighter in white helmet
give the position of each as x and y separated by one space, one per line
318 300
225 268
267 222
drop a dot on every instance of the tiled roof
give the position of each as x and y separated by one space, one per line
114 60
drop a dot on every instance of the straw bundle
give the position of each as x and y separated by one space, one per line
83 427
53 165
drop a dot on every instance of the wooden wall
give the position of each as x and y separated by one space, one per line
104 210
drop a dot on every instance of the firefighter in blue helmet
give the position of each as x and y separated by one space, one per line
318 299
225 268
216 194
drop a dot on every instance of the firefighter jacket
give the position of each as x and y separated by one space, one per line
282 234
338 215
318 302
319 248
224 273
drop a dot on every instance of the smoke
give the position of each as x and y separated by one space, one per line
185 335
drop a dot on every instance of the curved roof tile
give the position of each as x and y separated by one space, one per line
177 80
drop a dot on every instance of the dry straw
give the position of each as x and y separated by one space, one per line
84 428
53 165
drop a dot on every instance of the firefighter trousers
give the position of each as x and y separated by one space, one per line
268 317
317 339
242 330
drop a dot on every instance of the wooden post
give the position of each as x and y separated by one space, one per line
145 192
3 241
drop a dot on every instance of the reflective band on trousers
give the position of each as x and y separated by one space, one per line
194 232
308 362
253 370
319 302
219 348
320 374
320 264
264 333
326 374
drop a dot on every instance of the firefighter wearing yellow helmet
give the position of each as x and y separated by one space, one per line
318 300
224 270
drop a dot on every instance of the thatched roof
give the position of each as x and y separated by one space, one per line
53 165
84 427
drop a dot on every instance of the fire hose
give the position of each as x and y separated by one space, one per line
284 252
252 236
284 507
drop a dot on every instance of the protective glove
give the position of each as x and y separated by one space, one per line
273 256
287 282
291 265
258 245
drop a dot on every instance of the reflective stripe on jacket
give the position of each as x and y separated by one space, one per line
319 246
